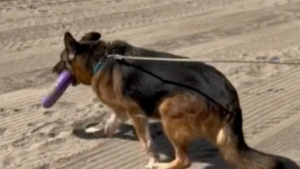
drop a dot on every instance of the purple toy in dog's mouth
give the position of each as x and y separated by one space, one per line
63 81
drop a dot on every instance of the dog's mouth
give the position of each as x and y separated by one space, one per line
75 82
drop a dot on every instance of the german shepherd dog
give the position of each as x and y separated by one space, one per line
184 113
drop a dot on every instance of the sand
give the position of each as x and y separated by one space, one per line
31 38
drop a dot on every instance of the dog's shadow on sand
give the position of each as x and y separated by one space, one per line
201 151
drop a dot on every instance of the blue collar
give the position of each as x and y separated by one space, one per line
97 67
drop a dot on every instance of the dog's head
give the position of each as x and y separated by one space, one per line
78 56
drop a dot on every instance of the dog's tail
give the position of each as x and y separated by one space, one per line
236 152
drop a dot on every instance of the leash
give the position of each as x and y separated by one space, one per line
122 59
272 61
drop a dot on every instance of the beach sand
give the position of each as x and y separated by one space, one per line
31 39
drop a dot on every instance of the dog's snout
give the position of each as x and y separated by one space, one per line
59 67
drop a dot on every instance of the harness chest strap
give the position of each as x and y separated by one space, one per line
97 67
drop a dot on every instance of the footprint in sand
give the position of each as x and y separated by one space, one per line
49 129
2 130
39 132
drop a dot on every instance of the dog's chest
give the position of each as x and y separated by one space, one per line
107 89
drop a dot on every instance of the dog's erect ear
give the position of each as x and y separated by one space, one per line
99 48
70 43
91 36
119 47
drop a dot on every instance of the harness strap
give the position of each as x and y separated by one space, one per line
97 67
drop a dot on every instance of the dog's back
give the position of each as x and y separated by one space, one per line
148 90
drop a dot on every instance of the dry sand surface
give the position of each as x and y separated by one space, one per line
31 33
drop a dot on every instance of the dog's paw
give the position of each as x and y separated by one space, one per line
152 164
92 130
95 131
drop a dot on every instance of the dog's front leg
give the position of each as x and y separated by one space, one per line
112 124
141 126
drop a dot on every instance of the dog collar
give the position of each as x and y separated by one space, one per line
97 67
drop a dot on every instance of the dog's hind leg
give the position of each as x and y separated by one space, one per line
180 144
178 117
141 125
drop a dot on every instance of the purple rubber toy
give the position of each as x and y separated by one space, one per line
62 83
